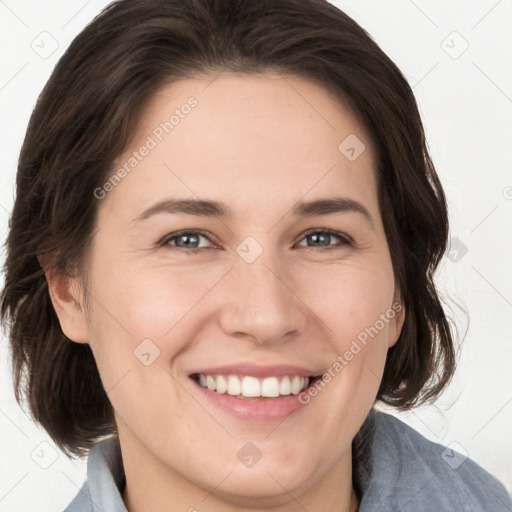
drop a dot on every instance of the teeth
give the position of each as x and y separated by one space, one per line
269 387
297 384
285 388
210 382
251 387
234 385
222 385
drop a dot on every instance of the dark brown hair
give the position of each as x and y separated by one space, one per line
87 114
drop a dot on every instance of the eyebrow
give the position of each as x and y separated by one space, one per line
206 208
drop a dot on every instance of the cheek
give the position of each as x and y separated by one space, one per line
154 299
351 298
355 302
139 302
140 320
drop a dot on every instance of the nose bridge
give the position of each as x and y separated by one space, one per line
262 303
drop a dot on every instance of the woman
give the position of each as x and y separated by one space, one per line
221 257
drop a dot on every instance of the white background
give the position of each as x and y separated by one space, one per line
465 99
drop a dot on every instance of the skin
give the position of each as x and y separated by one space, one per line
259 144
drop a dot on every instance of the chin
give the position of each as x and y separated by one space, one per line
270 481
258 488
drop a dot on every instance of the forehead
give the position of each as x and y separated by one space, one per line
246 138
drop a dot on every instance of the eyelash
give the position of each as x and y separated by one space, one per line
346 240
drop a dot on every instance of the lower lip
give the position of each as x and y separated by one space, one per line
255 409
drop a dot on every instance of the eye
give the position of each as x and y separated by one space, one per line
190 241
323 237
186 240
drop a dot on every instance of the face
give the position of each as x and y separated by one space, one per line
264 299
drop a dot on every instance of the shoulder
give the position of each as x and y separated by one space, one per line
405 471
105 480
82 501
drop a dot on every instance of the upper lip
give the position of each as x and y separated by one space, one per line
255 370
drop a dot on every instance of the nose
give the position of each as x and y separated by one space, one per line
261 303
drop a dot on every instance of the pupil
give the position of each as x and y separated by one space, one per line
187 237
325 237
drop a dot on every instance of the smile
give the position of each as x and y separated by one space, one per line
253 392
253 387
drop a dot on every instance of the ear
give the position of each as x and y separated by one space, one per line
65 296
398 320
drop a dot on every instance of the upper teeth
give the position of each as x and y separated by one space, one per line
252 386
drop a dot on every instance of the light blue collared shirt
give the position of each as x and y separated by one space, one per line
395 469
